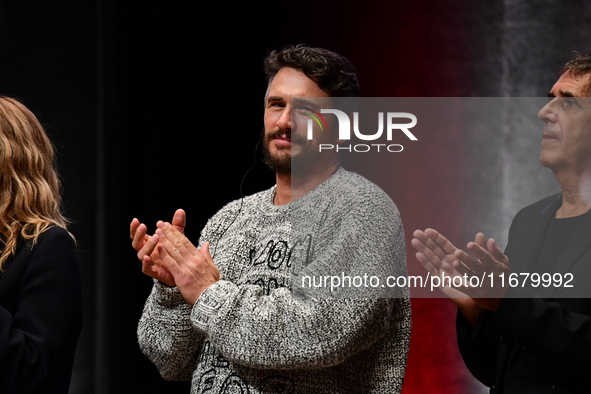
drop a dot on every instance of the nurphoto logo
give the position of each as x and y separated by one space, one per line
345 129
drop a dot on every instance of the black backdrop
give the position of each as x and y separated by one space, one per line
157 105
152 106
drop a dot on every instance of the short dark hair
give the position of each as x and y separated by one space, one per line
579 65
333 73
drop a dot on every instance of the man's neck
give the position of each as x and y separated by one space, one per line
290 189
576 193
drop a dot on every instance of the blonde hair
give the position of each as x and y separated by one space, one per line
30 199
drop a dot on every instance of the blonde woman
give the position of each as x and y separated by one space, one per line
40 300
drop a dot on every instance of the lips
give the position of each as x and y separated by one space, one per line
548 135
282 139
282 142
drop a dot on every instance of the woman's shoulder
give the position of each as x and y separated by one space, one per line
55 233
53 256
54 240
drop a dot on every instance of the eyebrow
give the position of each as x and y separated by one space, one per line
274 98
302 101
298 101
563 93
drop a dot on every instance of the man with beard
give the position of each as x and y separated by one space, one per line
231 320
528 337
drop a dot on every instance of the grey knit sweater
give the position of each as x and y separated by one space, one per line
250 333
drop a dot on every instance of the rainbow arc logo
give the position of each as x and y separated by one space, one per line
318 118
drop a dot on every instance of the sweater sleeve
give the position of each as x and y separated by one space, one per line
39 331
166 335
284 331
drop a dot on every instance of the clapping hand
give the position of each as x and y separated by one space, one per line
147 252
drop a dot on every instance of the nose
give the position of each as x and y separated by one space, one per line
284 121
548 113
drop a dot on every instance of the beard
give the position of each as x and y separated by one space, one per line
284 163
280 164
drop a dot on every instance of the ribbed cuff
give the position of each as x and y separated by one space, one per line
211 301
167 296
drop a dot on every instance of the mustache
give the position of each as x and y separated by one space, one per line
294 138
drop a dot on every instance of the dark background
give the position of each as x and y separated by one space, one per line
157 105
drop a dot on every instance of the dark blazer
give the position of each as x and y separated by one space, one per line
40 315
535 344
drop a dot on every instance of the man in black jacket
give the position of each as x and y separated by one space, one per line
523 337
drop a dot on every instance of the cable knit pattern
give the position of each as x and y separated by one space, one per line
256 331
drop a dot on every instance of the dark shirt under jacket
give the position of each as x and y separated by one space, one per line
541 343
40 315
